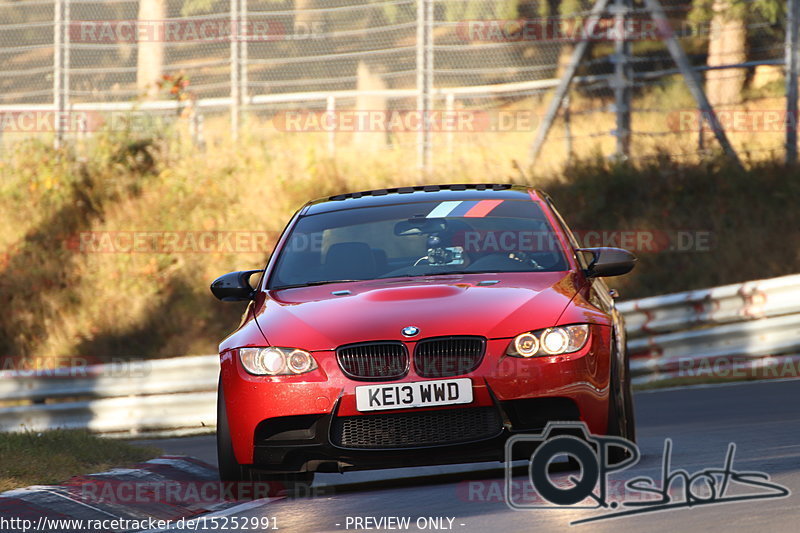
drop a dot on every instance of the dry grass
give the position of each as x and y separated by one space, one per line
49 457
61 300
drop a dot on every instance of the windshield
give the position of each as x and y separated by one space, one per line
418 239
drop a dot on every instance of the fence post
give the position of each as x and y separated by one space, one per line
567 127
424 81
244 40
701 130
449 106
792 13
330 109
60 68
196 126
622 79
236 78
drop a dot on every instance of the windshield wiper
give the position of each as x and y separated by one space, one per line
312 283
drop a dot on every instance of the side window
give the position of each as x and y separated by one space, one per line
579 257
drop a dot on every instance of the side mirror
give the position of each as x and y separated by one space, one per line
234 286
609 262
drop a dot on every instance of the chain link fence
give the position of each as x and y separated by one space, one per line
438 76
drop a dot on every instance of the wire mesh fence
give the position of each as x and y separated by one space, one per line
438 76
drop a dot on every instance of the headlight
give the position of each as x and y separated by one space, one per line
300 362
274 361
526 344
550 341
554 341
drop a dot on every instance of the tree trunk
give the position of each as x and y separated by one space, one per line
150 53
368 80
302 18
565 48
726 46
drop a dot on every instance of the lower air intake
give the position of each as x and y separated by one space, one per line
419 429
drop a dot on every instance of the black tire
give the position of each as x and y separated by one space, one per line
630 413
621 419
229 468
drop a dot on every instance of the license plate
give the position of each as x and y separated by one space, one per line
414 394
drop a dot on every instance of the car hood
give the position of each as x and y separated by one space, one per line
313 318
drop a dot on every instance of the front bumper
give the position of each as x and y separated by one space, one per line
312 443
293 423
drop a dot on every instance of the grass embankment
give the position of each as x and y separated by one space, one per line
50 457
747 222
62 298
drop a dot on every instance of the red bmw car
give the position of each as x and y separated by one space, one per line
418 326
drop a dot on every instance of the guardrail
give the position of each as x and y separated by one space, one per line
749 329
736 331
155 397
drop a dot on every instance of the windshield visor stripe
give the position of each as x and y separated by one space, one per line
443 209
483 208
463 208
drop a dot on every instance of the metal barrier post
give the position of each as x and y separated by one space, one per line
792 14
244 33
236 74
622 79
60 68
449 106
424 81
567 128
330 109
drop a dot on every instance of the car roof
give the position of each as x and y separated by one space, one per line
422 193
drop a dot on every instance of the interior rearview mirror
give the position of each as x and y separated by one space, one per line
420 226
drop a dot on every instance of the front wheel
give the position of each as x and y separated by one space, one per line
621 420
229 468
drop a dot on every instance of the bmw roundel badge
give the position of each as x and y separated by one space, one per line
410 331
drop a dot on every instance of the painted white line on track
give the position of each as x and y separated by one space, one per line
84 504
30 495
181 463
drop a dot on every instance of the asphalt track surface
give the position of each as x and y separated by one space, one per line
760 418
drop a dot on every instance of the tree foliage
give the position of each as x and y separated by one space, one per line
772 11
